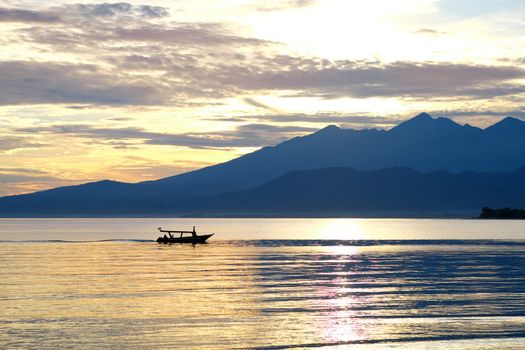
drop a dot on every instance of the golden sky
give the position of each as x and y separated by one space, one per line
135 91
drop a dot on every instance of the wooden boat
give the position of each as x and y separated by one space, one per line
175 236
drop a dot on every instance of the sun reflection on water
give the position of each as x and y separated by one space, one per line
338 323
344 229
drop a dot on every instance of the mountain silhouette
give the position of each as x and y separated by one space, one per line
385 192
507 127
423 126
422 143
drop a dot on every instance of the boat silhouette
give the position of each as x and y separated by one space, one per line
172 238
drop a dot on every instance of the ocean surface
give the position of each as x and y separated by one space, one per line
263 284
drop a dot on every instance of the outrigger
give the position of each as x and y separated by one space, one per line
170 238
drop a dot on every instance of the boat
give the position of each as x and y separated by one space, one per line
177 236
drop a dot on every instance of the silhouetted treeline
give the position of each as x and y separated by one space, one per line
502 213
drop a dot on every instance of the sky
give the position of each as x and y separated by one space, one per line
137 90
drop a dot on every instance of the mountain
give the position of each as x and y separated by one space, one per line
385 192
423 126
422 143
507 127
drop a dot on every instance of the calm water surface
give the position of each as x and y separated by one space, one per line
263 283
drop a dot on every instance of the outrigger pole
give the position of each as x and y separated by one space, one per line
176 231
169 232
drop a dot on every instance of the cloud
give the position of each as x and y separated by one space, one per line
428 31
10 170
120 119
42 82
140 57
253 102
9 143
107 10
321 118
17 178
146 169
185 79
399 79
227 119
74 12
248 135
517 113
22 180
98 25
135 58
202 34
27 16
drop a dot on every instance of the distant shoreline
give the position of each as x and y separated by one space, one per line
236 216
486 214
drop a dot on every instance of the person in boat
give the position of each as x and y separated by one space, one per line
193 233
165 237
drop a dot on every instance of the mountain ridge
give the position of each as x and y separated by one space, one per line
397 191
422 143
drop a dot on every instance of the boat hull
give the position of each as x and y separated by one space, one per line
191 239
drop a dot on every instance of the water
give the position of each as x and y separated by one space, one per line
263 283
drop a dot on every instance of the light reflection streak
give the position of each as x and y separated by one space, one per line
337 323
342 229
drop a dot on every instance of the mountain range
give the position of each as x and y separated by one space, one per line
391 192
423 166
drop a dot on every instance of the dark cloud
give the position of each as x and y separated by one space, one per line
73 13
328 119
517 113
248 135
8 143
23 171
227 119
103 25
42 82
144 62
428 31
39 82
253 102
327 79
78 107
23 180
120 119
356 121
111 10
400 79
16 178
27 16
140 60
202 34
153 11
100 10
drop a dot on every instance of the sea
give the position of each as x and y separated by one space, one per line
263 284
